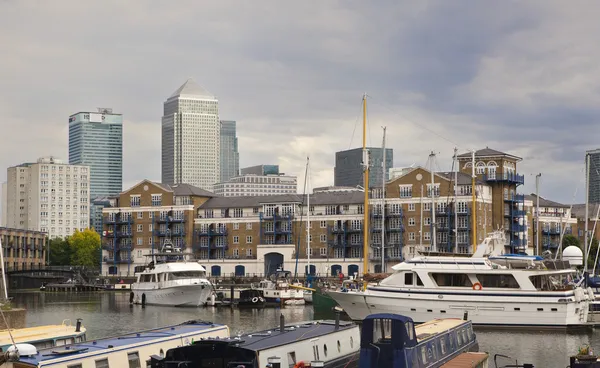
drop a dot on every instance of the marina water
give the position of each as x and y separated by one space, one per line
109 314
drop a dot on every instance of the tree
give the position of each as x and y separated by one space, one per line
569 240
592 254
60 252
85 246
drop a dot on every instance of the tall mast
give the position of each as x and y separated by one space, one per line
538 249
366 188
432 191
473 204
308 215
383 181
3 272
587 209
421 222
455 164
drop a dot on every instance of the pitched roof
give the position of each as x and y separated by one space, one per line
463 179
190 190
488 152
321 198
545 202
191 88
579 210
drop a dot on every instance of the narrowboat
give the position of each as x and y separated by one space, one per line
392 340
324 343
130 350
44 336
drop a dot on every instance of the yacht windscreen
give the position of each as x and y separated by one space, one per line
556 282
186 275
498 281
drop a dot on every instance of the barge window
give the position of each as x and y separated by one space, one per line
452 279
102 363
292 358
410 330
382 330
134 359
443 345
498 281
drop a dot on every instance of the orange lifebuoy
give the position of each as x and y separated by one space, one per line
477 286
300 364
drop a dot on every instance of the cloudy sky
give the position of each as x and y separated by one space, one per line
520 77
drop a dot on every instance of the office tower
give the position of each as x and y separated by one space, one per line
191 144
230 157
594 175
48 196
349 170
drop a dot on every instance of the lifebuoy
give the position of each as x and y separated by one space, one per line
300 364
477 286
254 300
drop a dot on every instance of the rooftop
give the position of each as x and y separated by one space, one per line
319 198
488 152
544 202
579 210
191 88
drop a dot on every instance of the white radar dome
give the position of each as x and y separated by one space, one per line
574 255
23 349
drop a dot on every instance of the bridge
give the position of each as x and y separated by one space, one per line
34 278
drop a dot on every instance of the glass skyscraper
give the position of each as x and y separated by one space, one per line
230 157
96 140
349 170
594 184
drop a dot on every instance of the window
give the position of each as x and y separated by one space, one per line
140 241
140 215
78 365
411 206
323 252
408 278
323 238
248 240
427 221
426 235
134 360
451 279
411 221
140 228
236 240
248 226
249 252
236 226
406 191
411 236
323 224
498 281
102 363
135 201
156 199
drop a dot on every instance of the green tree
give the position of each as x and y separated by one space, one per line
85 246
592 254
60 252
569 240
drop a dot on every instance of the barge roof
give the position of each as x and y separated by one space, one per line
114 343
434 327
267 339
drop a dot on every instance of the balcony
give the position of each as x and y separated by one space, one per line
169 219
550 231
516 228
213 232
514 198
276 216
168 232
120 260
124 234
515 213
510 178
124 220
550 245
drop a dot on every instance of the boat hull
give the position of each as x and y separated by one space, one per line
482 308
308 297
178 296
322 302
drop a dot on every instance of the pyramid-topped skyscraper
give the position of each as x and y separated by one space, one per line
190 137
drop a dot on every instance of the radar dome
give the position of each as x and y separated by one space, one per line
23 349
574 255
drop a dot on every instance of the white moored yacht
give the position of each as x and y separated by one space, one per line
171 279
493 289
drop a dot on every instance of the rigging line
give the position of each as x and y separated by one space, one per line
422 127
559 249
355 124
299 225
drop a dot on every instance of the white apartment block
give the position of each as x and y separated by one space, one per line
191 140
48 196
257 185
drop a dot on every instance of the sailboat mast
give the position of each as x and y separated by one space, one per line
455 159
473 204
308 215
366 188
383 181
3 272
587 214
432 192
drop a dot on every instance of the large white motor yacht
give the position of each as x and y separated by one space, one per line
492 288
171 279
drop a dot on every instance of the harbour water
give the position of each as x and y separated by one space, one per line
108 314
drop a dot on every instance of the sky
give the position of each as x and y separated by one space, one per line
519 77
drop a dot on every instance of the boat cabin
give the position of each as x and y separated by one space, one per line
44 336
391 340
291 345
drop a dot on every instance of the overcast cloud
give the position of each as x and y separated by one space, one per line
520 77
